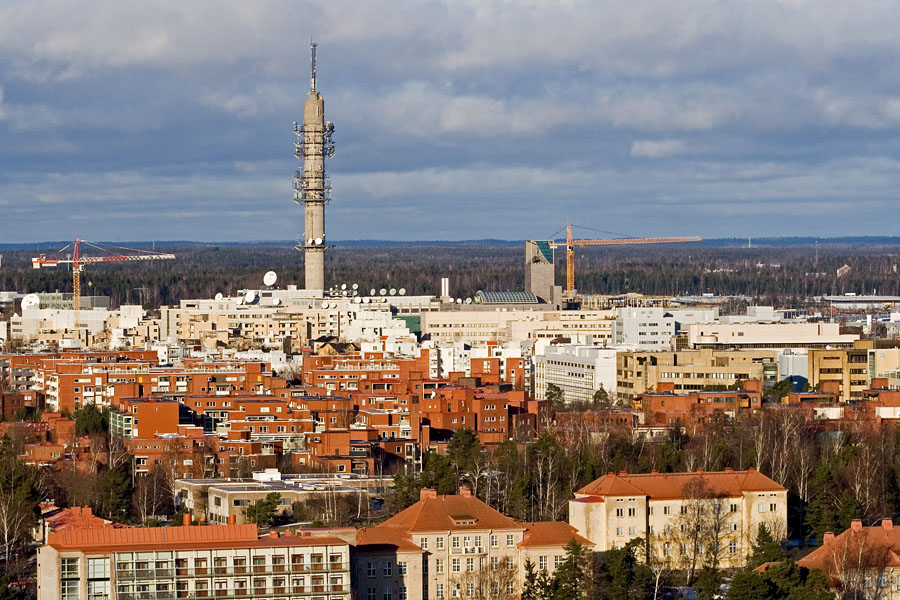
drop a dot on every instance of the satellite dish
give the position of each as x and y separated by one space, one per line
31 301
343 286
382 291
355 286
357 300
309 242
468 301
384 299
219 296
324 305
276 301
270 278
372 292
366 300
240 300
402 291
318 241
459 300
250 297
450 300
393 292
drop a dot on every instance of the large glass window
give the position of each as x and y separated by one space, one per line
98 568
69 589
68 567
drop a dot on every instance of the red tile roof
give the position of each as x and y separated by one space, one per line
379 539
77 518
450 513
175 538
660 486
858 547
551 533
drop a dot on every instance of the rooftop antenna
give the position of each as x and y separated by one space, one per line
312 64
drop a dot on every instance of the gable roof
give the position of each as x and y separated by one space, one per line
450 513
662 486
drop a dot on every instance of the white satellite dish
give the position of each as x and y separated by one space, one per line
382 291
309 242
276 301
459 300
318 241
355 286
343 286
367 300
402 291
324 305
372 292
219 296
270 278
240 300
31 301
250 297
393 292
450 300
357 300
468 301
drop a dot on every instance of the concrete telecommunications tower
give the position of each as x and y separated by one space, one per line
311 187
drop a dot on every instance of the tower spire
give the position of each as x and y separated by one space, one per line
312 64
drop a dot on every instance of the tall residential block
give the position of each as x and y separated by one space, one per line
311 186
539 278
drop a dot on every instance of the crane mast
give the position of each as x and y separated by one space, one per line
570 244
78 263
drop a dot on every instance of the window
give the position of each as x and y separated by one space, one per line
401 593
98 568
632 512
620 512
667 510
387 569
387 593
370 594
495 541
733 507
454 565
439 565
439 543
631 530
401 568
732 547
372 569
557 560
620 531
470 589
510 563
470 565
68 567
478 541
542 563
762 507
734 526
68 589
455 541
98 588
423 543
773 507
510 587
510 540
440 590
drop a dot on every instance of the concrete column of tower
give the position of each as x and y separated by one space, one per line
310 185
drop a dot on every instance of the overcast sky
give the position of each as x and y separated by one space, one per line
454 120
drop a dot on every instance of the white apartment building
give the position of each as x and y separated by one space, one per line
578 370
768 335
645 328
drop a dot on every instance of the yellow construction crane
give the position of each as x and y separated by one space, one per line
78 262
571 243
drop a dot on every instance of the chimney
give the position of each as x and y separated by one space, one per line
828 537
887 524
202 519
699 470
856 525
654 472
623 473
232 519
465 491
729 470
610 474
426 493
751 469
273 535
186 519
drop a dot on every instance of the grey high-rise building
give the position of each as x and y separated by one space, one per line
311 186
539 277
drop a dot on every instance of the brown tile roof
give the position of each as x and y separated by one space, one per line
77 517
175 538
384 539
551 533
661 486
450 513
867 547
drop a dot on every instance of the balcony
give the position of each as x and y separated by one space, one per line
469 550
237 594
241 570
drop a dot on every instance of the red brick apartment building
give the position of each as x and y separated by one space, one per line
665 408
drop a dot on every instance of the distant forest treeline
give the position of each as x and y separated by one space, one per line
777 275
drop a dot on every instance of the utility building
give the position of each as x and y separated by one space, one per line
311 187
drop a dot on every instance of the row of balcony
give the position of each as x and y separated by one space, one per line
253 592
125 575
